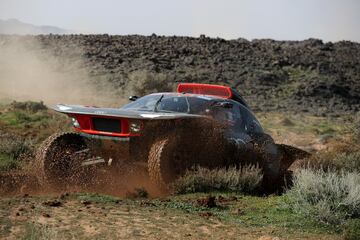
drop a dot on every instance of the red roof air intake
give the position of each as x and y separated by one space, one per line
205 89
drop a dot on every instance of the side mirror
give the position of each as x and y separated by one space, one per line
133 98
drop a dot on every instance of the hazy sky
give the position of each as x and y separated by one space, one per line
330 20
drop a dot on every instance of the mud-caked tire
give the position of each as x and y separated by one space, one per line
164 163
55 162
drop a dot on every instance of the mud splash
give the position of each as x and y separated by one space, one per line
126 183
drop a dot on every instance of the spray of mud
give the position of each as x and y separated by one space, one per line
123 179
129 183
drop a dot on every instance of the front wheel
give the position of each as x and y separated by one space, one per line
59 161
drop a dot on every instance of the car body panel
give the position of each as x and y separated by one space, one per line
119 113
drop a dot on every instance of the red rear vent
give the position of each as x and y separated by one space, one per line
205 89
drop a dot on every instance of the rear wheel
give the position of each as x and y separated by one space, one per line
165 162
59 161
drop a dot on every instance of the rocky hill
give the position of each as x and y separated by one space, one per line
307 76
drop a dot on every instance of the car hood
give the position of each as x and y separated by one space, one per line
116 112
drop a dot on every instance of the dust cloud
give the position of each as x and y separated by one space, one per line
30 72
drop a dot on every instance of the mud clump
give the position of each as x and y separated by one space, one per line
208 202
53 203
137 193
86 202
206 214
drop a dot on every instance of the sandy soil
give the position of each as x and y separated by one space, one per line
74 217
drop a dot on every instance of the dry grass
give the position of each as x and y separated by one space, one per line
40 232
244 180
342 155
331 197
334 161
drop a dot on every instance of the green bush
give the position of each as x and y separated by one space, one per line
7 162
21 117
244 180
28 106
12 149
331 197
352 230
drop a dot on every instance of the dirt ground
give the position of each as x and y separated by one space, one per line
76 216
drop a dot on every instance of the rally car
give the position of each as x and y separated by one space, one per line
198 125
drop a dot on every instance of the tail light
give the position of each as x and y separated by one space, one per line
135 126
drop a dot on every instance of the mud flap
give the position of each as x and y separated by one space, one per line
290 154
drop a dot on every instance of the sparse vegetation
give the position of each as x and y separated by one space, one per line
330 197
39 232
247 179
97 198
91 218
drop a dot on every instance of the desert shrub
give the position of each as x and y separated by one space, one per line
21 117
28 106
12 149
352 230
334 161
144 82
331 197
13 146
244 180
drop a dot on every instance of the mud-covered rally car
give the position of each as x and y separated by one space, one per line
199 125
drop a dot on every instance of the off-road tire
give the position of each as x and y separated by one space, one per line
161 164
54 164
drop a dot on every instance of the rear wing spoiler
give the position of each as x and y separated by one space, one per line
212 90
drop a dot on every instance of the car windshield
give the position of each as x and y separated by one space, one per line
234 114
170 103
